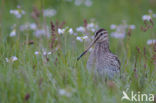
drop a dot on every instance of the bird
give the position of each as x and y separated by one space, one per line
102 61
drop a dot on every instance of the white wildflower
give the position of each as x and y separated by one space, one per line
88 3
154 15
18 13
44 53
113 26
150 11
120 31
146 17
78 2
93 30
49 53
70 31
36 53
39 32
90 25
82 38
13 33
132 27
14 58
79 38
49 12
85 37
80 29
33 26
7 60
118 35
63 92
75 34
150 42
28 26
61 31
24 27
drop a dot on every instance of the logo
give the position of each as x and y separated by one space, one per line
125 96
137 96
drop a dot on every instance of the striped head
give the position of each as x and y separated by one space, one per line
101 35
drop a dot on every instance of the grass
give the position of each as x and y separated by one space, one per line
33 78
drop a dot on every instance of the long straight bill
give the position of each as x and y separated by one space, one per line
88 48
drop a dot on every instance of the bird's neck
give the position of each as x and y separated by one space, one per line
102 46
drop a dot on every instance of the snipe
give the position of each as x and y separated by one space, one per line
101 59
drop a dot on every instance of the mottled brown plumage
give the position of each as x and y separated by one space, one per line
101 59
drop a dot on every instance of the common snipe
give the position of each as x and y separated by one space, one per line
101 59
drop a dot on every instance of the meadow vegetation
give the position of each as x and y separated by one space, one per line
40 41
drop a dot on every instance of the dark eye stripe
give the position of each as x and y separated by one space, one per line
101 31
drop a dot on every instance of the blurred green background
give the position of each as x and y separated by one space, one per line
36 79
105 13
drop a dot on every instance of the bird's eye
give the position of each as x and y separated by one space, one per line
99 32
